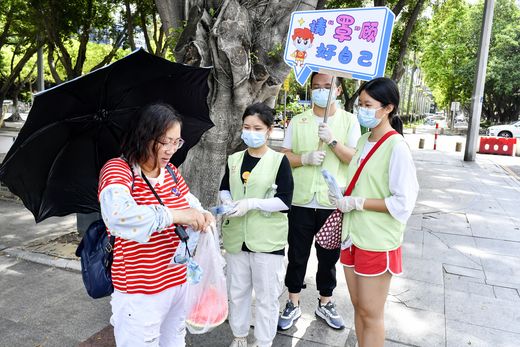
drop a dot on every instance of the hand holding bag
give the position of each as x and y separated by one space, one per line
329 236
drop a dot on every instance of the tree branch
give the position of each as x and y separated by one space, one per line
115 47
130 25
83 39
403 44
52 66
8 21
398 7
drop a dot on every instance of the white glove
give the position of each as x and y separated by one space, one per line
325 133
313 158
349 203
226 199
240 209
332 198
228 202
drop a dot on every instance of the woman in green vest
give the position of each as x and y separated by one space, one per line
257 187
376 211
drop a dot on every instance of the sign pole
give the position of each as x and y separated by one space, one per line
326 115
332 83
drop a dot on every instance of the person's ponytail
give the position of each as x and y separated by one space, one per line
397 124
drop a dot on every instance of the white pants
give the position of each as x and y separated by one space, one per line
142 320
264 273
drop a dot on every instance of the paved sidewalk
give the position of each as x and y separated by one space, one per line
460 287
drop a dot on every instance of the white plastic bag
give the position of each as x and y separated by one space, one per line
207 301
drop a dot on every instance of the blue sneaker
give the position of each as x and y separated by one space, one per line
289 315
329 314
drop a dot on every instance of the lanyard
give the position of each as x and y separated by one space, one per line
179 229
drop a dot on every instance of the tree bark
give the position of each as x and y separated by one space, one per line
8 82
52 66
130 25
403 44
172 13
398 7
236 39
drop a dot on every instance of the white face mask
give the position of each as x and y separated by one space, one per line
320 97
367 117
253 139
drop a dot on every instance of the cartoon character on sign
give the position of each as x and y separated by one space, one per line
302 39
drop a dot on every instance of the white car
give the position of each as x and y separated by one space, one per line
506 130
433 120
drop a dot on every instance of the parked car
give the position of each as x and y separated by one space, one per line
432 120
505 130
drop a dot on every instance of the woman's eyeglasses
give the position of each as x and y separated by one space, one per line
171 144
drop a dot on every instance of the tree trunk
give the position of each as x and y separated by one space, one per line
52 66
398 70
398 7
172 13
236 39
15 117
130 25
8 82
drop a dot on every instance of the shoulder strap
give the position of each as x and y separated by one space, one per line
151 188
179 229
131 171
352 183
170 170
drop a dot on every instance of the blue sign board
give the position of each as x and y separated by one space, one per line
352 43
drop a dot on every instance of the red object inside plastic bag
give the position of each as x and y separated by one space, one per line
210 311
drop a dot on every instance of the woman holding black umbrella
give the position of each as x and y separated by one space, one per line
148 303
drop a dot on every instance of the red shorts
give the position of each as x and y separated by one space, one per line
369 263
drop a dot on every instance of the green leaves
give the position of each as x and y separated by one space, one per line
450 48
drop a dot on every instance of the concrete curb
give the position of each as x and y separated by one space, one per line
44 259
510 172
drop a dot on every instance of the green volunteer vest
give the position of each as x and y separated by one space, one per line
260 233
369 230
308 179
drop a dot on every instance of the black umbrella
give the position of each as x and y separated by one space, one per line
74 128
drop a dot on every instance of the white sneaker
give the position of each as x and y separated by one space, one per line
239 342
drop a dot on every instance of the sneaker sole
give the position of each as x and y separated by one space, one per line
322 316
292 323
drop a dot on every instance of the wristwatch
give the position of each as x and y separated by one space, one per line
332 144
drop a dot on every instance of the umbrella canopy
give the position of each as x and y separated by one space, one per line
74 128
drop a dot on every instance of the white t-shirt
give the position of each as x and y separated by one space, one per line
353 137
402 181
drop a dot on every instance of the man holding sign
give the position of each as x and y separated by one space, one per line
352 43
303 145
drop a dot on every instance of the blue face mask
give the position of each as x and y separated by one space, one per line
367 117
320 97
193 271
253 139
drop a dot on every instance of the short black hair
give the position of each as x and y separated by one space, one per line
150 123
337 80
262 111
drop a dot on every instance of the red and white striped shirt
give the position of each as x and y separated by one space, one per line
142 268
